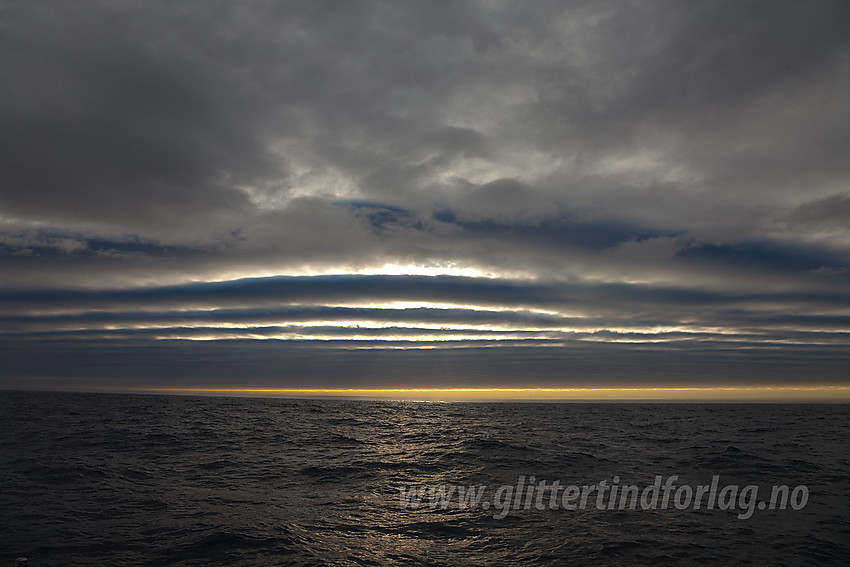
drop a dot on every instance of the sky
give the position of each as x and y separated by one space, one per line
425 195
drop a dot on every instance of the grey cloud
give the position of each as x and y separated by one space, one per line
829 213
504 200
636 158
111 116
145 116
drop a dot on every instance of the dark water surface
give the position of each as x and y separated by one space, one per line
102 479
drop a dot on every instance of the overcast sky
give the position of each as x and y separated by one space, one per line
424 193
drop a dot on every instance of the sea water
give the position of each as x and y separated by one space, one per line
111 479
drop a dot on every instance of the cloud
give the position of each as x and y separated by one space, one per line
637 159
505 201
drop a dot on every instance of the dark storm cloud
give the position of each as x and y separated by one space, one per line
651 165
138 114
111 116
149 114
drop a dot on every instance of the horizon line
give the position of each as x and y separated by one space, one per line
789 393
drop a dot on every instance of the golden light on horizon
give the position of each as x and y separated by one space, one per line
839 394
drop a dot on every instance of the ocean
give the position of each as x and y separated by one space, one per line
126 479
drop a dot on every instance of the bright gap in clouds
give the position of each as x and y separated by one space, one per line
399 324
387 269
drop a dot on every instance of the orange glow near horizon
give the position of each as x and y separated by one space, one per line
684 394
